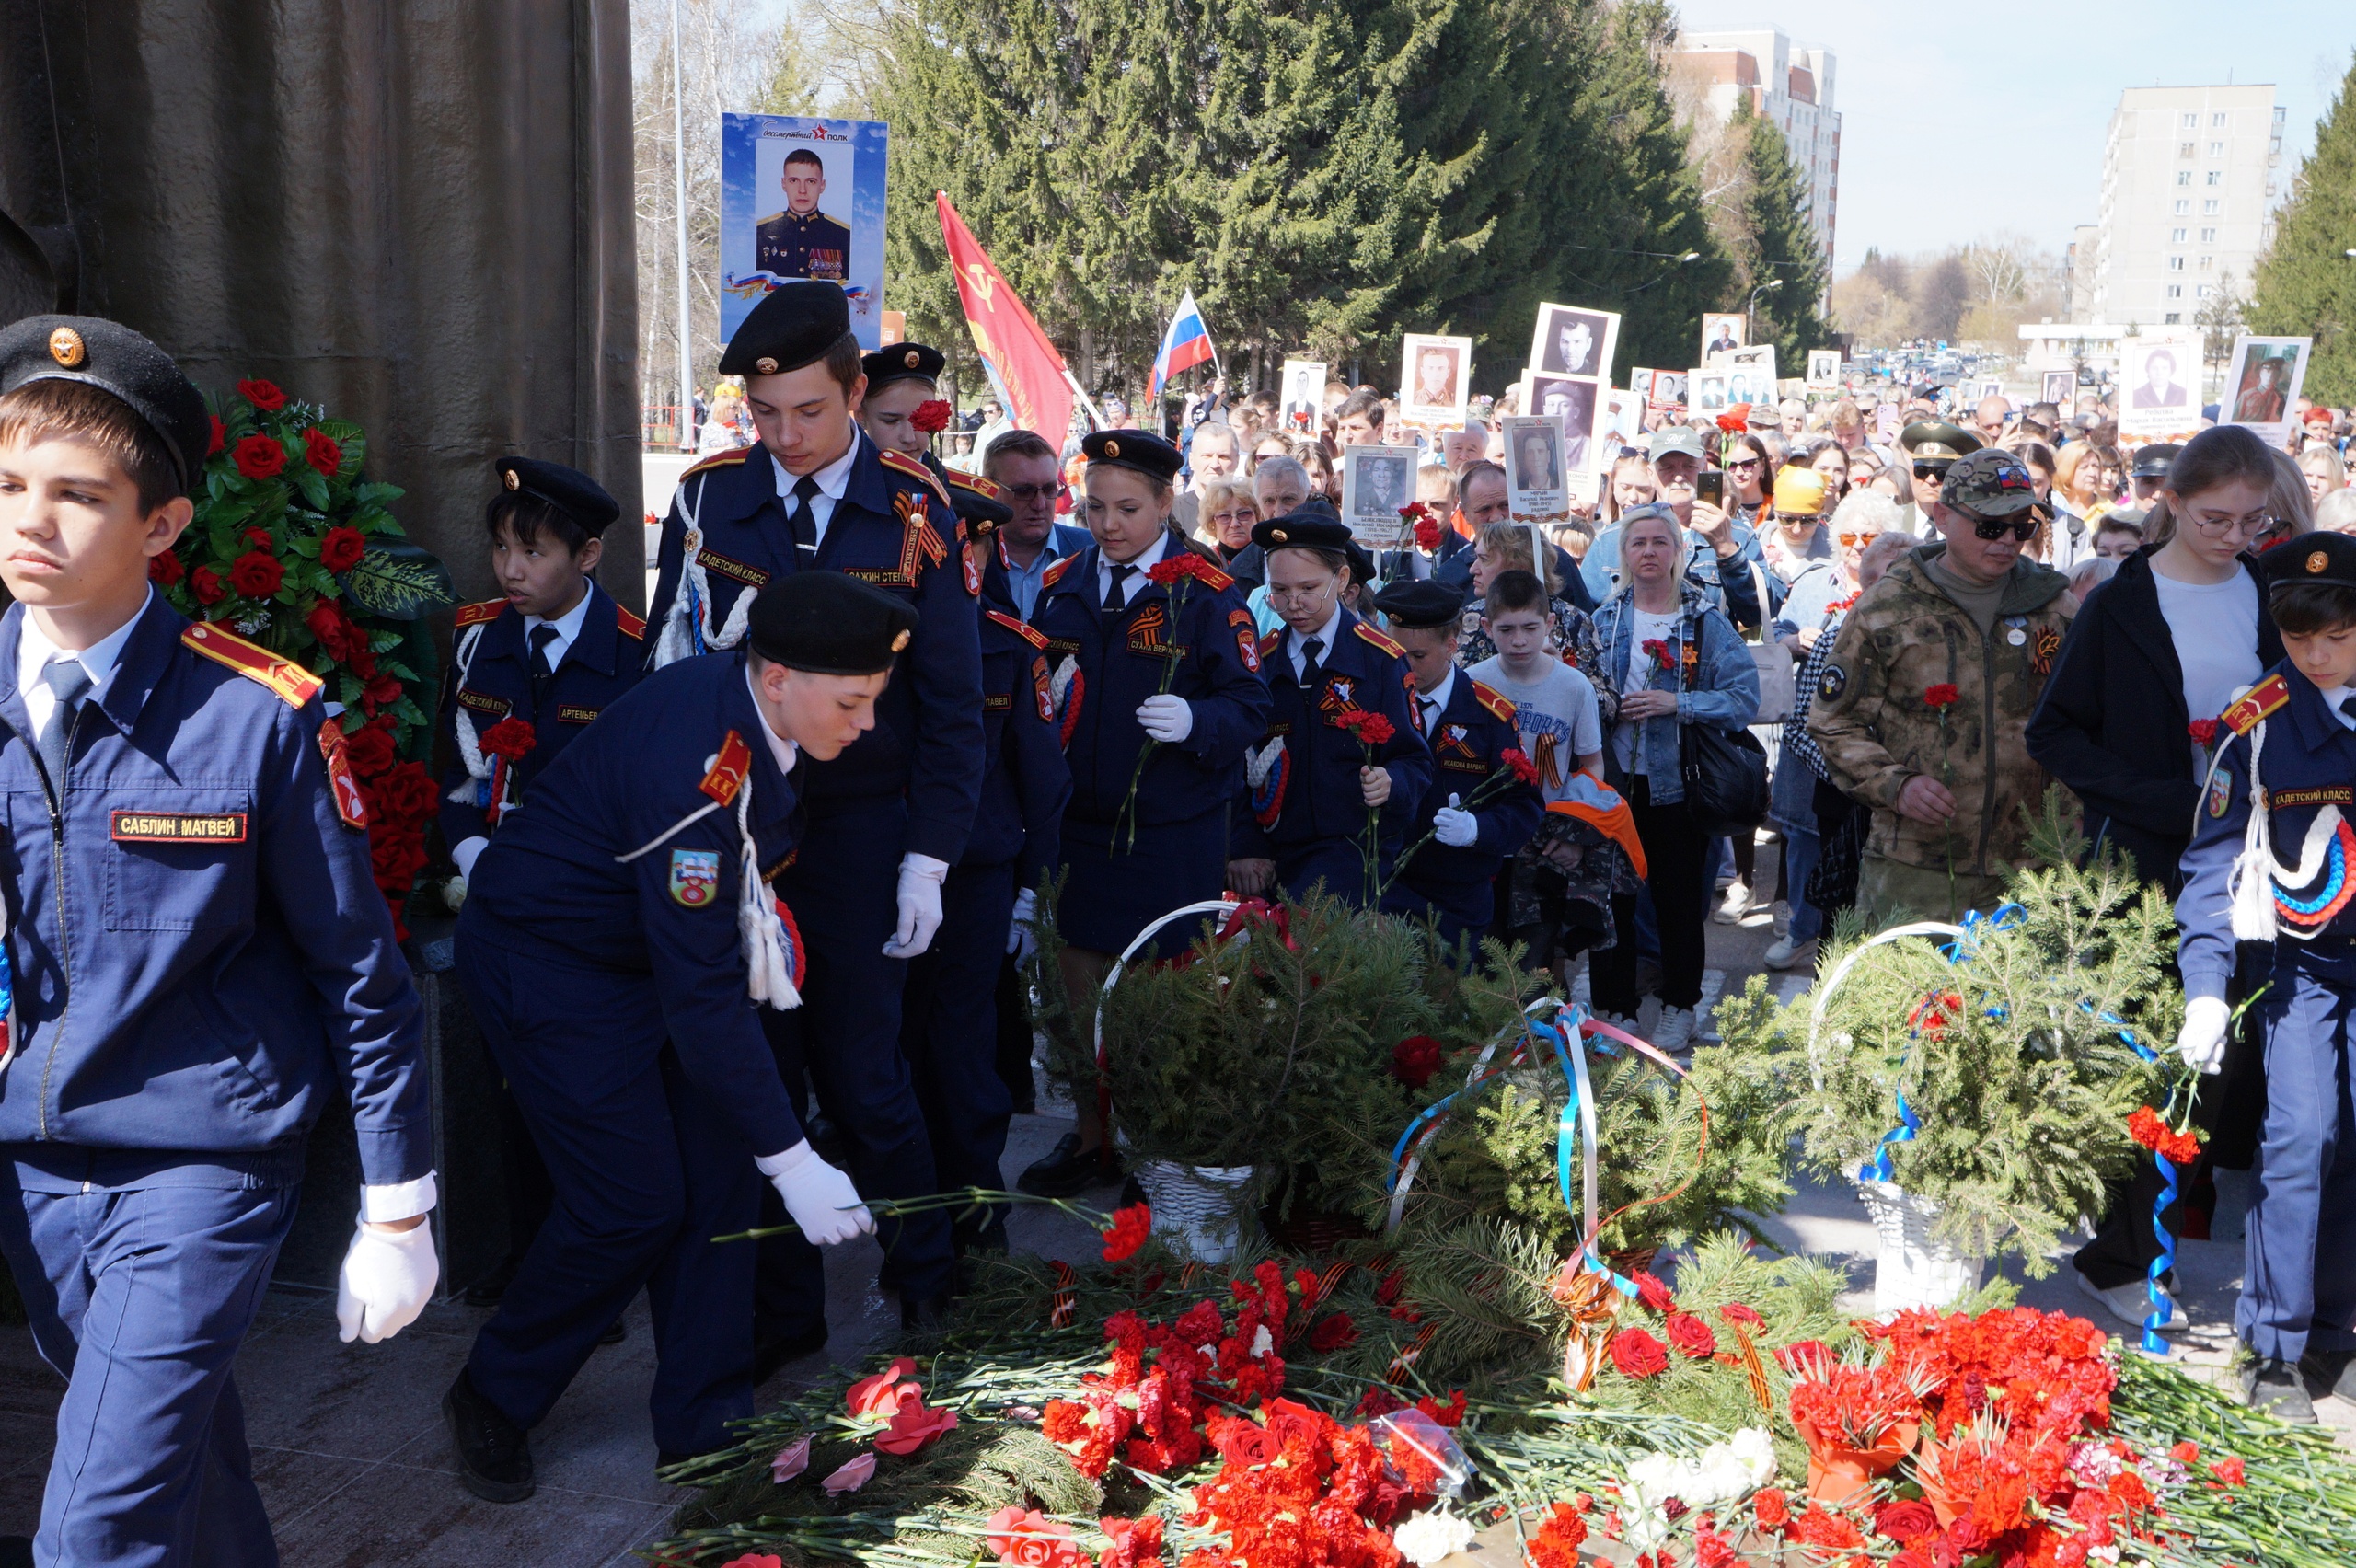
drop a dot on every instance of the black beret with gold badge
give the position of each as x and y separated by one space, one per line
117 361
570 491
902 361
794 325
2322 560
829 624
1148 454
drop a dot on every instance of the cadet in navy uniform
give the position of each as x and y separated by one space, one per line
2288 879
949 1027
528 672
1470 728
620 944
889 817
1303 821
901 378
188 875
1136 660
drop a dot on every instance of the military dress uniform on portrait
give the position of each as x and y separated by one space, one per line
793 246
1469 735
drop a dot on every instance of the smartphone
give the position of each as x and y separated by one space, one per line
1710 485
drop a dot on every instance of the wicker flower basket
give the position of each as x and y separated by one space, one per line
1198 1209
1912 1270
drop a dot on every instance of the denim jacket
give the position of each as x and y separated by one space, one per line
1724 691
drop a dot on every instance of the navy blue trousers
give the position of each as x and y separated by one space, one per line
1459 911
646 1170
949 1032
140 1297
2299 1278
845 1040
1340 863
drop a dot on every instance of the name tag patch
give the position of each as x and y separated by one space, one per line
179 827
751 576
565 715
997 702
2323 795
483 702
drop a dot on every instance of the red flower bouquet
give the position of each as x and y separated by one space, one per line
2146 1127
1177 574
1415 1060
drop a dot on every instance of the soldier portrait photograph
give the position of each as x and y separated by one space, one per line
804 241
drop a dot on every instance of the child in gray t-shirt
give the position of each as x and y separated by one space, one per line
1554 706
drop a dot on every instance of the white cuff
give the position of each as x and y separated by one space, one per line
936 869
466 852
399 1200
785 1161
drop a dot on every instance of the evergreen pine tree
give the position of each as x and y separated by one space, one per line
2306 283
1782 244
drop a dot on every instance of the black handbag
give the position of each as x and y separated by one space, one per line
1726 778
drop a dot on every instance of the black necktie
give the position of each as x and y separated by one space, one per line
1431 712
803 521
1310 647
1116 598
2348 705
542 671
69 680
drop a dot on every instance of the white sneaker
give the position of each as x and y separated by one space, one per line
1674 1033
1735 906
2130 1303
1784 953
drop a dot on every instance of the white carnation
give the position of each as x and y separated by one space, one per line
1428 1538
1262 1341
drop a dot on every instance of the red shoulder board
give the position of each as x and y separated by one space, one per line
728 769
1056 570
2267 697
1209 576
475 614
975 482
717 460
901 463
1270 642
351 805
1029 634
295 684
629 624
1381 642
1499 704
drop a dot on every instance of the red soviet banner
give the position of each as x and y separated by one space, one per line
1020 361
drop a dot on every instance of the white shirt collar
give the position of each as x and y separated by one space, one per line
34 651
833 479
1324 633
783 749
2332 698
1439 698
568 628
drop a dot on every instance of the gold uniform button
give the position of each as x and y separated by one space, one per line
515 480
65 346
912 359
765 365
1112 449
2317 562
899 642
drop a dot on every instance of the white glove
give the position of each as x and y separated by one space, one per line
820 1198
388 1279
1455 828
1167 719
920 879
467 852
2201 1041
1020 940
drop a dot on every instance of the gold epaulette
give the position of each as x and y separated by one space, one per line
716 460
295 684
1055 571
1379 640
1499 704
901 463
1271 641
985 488
629 624
1022 629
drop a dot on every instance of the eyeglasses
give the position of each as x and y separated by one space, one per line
1930 470
1298 595
2218 527
1734 463
1846 537
1034 492
1991 529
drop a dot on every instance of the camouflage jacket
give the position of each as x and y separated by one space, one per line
1873 719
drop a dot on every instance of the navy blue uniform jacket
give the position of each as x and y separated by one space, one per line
549 883
201 953
1319 796
490 676
894 527
1026 782
1469 739
1102 674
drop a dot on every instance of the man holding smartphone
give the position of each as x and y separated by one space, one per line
1682 471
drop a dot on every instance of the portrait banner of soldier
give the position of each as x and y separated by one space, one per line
2159 377
1436 376
1376 483
1824 370
802 198
1573 340
2262 379
1536 474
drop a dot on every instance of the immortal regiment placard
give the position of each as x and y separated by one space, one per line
2159 375
2262 381
1435 378
2061 388
1750 375
1536 471
1706 391
1568 380
1624 426
802 198
1574 340
1824 370
1301 400
1721 335
1574 403
1376 483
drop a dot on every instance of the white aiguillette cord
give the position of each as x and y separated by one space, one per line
768 967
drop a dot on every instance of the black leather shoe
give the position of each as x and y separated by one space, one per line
928 1314
1068 1170
15 1552
494 1454
771 1353
2326 1372
2274 1388
614 1336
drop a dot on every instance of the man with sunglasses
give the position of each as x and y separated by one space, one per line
1029 478
1931 445
1922 711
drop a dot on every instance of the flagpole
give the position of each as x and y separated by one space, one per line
1095 415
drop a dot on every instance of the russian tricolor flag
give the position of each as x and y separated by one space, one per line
1184 346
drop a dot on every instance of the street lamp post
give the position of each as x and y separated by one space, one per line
1749 330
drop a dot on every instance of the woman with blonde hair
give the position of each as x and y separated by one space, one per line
1226 514
2324 470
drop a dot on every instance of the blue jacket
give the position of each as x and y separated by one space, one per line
549 883
490 678
1469 739
1722 690
894 527
201 954
1100 675
1026 782
1314 793
2307 764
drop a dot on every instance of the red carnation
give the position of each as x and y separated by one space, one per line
2233 1472
340 548
931 416
262 395
220 438
370 748
259 457
1371 728
1127 1232
1943 694
1336 1332
2146 1128
1415 1060
1910 1558
1736 1312
1773 1510
1524 770
510 738
1653 1292
205 583
256 574
165 569
320 451
1637 1354
1691 1336
1448 1414
2203 731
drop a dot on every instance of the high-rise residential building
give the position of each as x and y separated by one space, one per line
1788 86
2191 180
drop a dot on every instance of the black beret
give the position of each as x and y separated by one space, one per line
794 325
2153 462
1302 531
117 361
898 361
2321 559
829 624
1361 564
1423 605
1148 454
570 491
977 504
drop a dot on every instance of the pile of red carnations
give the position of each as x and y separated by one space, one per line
1297 1489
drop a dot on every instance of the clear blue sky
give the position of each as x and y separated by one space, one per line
2007 104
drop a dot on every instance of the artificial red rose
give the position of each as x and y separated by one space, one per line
262 395
405 791
205 583
1415 1060
334 630
1243 1443
1392 1283
880 1395
1943 694
1691 1336
257 537
1336 1332
1653 1292
1906 1522
1736 1312
1772 1509
165 569
256 575
915 1426
259 457
361 663
1127 1232
220 438
931 416
320 451
380 693
1637 1354
1910 1558
340 548
397 857
370 749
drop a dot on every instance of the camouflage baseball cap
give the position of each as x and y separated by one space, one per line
1991 482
